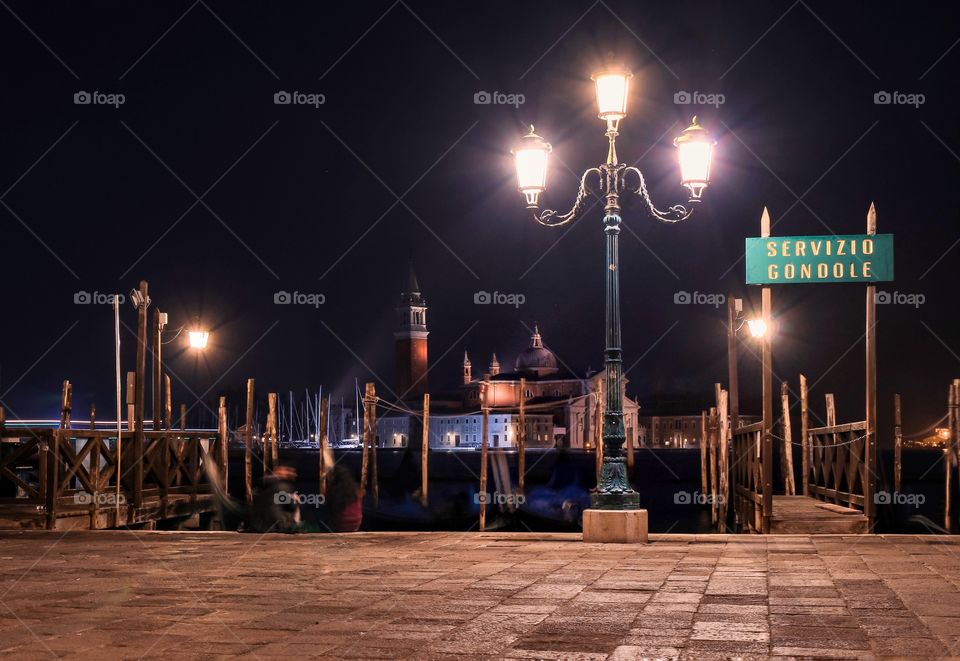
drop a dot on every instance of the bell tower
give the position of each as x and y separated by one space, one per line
410 340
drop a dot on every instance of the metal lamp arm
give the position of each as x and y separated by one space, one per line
674 214
552 218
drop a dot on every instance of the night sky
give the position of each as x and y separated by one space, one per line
400 163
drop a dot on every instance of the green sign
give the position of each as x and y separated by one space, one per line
777 260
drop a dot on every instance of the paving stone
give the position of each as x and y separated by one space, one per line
97 595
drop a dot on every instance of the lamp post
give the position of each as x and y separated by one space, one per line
758 329
612 178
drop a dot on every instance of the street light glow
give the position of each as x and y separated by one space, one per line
758 327
531 159
613 89
198 339
695 152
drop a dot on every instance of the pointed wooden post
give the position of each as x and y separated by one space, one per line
183 417
368 466
168 403
223 458
140 383
713 464
157 371
870 445
484 395
723 406
704 442
425 453
897 444
270 434
324 469
522 438
789 480
598 429
732 371
767 360
94 457
804 440
248 445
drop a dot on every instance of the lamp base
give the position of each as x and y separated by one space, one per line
614 500
615 526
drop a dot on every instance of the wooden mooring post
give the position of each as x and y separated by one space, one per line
598 428
789 481
140 383
425 453
704 442
484 397
870 343
368 463
766 306
522 438
723 406
224 434
713 433
248 445
804 441
324 441
897 444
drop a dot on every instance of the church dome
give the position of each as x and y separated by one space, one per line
536 359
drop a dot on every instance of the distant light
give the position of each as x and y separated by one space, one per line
199 339
944 433
758 327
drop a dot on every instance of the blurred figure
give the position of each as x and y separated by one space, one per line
276 504
344 504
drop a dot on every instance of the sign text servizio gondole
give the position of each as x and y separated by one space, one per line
839 258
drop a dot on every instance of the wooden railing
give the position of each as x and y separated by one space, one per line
839 470
62 471
746 468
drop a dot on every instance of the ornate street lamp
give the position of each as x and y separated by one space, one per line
610 179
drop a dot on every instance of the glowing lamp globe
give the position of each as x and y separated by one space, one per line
613 88
198 339
531 159
758 327
695 151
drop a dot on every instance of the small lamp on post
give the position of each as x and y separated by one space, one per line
198 339
531 160
695 152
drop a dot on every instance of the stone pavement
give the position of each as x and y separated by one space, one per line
153 595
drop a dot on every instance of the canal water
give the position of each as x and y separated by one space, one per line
557 489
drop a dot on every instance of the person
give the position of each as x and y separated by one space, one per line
276 504
343 501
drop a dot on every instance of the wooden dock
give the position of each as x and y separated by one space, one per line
805 515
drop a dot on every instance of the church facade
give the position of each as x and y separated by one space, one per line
560 407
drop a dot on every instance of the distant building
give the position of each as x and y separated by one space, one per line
410 341
676 431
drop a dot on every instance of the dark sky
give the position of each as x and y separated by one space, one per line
297 198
